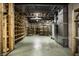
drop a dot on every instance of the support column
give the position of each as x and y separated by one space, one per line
73 34
4 36
72 29
11 25
1 18
53 35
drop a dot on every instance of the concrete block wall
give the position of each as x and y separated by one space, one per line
62 22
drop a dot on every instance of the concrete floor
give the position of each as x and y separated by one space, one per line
39 46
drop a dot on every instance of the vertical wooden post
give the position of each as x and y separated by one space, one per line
24 26
1 18
4 36
73 34
72 28
11 25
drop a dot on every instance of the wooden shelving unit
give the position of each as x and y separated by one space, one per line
39 29
6 28
12 28
19 27
5 36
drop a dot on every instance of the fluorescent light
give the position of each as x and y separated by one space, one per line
36 18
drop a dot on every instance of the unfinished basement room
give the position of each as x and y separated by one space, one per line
39 29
